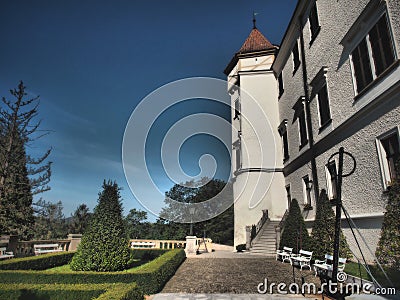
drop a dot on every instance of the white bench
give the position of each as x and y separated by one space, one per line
140 245
284 254
327 264
46 248
303 259
5 254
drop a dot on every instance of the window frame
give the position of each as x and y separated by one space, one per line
370 54
281 86
331 188
314 28
288 195
296 56
307 195
382 159
282 129
326 122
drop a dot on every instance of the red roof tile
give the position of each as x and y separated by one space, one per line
256 41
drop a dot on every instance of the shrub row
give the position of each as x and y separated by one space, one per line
147 254
150 277
40 262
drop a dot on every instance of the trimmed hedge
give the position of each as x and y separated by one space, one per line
118 291
147 254
150 277
40 262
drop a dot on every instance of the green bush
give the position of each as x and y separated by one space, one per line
388 250
40 262
117 291
150 277
323 232
295 234
147 254
104 245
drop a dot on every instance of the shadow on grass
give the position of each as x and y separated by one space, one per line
31 295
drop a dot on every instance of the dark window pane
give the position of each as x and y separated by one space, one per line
237 152
323 103
280 81
381 44
237 109
303 128
391 146
285 146
362 67
332 173
288 195
314 23
296 59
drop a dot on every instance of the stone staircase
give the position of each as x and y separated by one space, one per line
265 242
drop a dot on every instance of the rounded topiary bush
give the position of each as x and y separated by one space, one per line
104 245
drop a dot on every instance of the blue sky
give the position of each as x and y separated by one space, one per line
92 62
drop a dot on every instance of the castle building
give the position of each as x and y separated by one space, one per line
333 82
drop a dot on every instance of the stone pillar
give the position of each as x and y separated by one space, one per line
248 237
75 239
190 245
278 236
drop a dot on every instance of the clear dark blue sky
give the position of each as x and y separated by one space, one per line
92 62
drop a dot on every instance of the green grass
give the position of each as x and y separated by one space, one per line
67 269
352 268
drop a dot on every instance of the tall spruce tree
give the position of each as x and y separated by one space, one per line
21 176
388 250
104 245
295 234
323 232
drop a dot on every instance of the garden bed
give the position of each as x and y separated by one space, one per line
133 283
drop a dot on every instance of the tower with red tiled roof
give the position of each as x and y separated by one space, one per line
256 144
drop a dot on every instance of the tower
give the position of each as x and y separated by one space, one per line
257 160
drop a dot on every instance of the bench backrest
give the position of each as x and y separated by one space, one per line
41 246
305 253
328 257
3 250
287 249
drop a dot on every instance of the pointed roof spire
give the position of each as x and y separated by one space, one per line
256 41
254 20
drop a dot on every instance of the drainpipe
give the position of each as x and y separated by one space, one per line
308 113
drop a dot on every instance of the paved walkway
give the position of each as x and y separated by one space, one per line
229 275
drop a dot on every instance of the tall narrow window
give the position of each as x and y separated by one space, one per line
288 195
237 109
388 149
314 22
238 158
285 145
296 58
373 55
300 115
307 190
280 83
331 180
323 105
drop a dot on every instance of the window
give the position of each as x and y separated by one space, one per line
373 55
388 150
307 190
296 59
285 145
314 22
280 83
237 109
323 106
238 159
300 115
331 179
288 195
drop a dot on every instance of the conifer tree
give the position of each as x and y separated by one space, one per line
295 234
323 232
104 245
388 250
21 176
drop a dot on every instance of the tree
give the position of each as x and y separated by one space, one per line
135 223
295 234
49 220
323 232
21 176
80 219
219 228
388 250
104 245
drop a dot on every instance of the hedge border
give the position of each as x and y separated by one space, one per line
39 262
